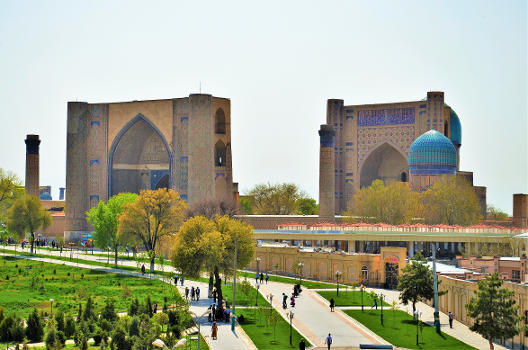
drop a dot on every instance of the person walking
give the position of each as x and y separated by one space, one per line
192 293
143 269
292 300
176 280
213 312
256 277
215 293
332 304
302 344
186 293
328 341
261 278
451 317
284 301
181 280
197 293
214 331
375 304
267 278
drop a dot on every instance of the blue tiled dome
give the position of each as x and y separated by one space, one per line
456 128
432 154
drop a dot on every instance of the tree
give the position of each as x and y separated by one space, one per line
212 207
10 190
493 310
495 214
59 320
307 206
69 328
205 245
108 312
88 313
278 199
35 327
416 282
104 219
245 205
154 216
393 203
12 329
28 215
451 201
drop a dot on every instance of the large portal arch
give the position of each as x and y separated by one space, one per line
139 158
385 163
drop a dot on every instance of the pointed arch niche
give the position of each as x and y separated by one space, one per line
385 163
139 158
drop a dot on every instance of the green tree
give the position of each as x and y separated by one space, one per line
493 310
416 282
10 189
307 206
12 329
88 313
451 201
28 215
393 203
245 205
108 312
104 219
277 199
59 320
153 217
81 336
35 327
69 327
493 213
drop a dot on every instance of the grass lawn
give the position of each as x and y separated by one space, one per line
25 284
241 298
400 330
305 283
261 333
350 298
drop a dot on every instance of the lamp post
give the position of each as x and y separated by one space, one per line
257 286
362 288
338 275
300 265
258 264
270 298
290 316
51 301
435 296
417 322
381 302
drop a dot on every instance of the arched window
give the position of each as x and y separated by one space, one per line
404 177
220 154
220 122
364 273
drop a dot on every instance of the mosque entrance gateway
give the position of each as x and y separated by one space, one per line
391 273
140 160
384 163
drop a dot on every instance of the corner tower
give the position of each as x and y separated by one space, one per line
32 165
326 173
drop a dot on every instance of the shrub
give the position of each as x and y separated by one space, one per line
134 307
69 327
134 327
35 327
108 312
50 339
119 340
11 329
105 325
99 336
59 319
60 337
81 336
88 310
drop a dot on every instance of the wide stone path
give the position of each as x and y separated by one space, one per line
227 339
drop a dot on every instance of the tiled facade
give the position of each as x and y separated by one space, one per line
186 145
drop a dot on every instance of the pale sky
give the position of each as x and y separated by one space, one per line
278 62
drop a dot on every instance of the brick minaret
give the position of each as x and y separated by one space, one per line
326 173
32 165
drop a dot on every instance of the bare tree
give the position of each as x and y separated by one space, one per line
212 207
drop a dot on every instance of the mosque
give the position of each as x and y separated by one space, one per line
415 142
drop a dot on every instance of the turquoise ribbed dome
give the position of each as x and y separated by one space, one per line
456 128
432 154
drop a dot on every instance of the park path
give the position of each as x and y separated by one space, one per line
227 339
459 330
313 319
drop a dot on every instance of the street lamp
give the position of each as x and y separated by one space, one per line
381 301
258 264
270 298
257 286
418 314
51 301
338 275
290 316
362 288
301 265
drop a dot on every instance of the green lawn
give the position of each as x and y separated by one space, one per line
25 284
350 298
305 283
262 334
400 330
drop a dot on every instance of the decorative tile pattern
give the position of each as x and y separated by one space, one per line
396 116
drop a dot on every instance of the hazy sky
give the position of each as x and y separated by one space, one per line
278 62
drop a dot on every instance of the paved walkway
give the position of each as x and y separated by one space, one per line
227 340
313 319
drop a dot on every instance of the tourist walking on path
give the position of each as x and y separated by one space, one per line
143 269
186 293
256 277
332 304
267 278
292 300
328 341
261 278
215 293
214 331
176 280
302 345
284 301
181 280
451 317
375 304
192 293
197 293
